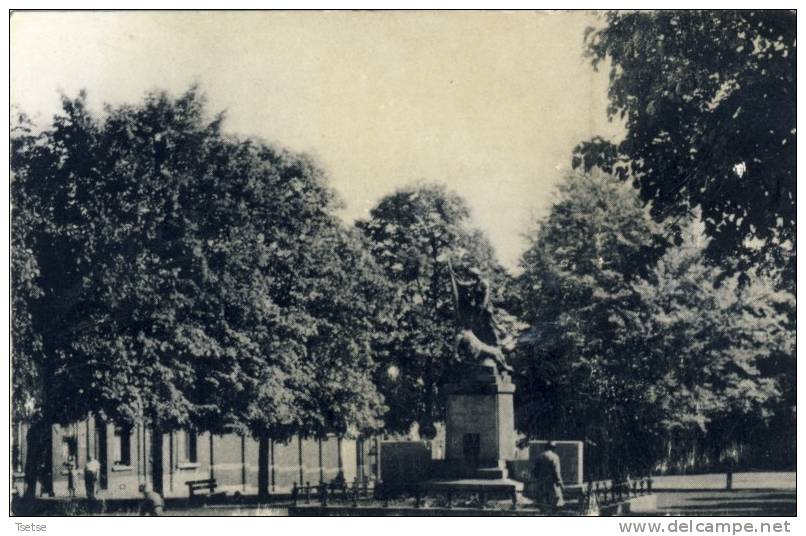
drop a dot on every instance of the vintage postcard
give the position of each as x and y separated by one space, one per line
403 263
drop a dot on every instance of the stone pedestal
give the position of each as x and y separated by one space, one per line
480 424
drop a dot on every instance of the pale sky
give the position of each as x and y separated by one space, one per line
489 103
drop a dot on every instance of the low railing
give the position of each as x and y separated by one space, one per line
327 492
386 495
607 492
448 498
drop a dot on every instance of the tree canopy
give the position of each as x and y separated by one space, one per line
168 272
27 385
720 344
630 347
412 234
708 99
582 376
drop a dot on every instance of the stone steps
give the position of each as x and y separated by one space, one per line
491 473
504 485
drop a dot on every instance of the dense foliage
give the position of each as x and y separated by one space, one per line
165 272
413 234
708 100
583 375
168 273
727 351
632 352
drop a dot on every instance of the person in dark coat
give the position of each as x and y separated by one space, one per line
152 504
548 478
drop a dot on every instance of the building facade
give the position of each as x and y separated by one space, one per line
125 457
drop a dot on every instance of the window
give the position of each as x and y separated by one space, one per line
123 446
190 451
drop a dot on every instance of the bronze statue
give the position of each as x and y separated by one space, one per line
477 339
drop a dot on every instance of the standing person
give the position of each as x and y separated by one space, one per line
730 466
71 477
91 471
548 478
152 504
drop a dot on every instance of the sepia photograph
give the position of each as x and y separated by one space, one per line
426 263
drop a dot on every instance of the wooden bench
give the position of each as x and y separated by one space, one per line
198 485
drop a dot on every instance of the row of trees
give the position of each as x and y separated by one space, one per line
639 348
697 342
662 316
166 272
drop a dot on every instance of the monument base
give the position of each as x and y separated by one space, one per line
480 424
501 488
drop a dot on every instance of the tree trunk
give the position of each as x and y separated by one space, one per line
263 467
38 466
156 459
729 474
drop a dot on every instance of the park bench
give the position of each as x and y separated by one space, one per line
197 485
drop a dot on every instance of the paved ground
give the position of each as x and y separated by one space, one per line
716 481
673 503
728 503
753 494
252 511
756 494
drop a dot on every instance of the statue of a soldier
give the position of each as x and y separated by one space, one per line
477 339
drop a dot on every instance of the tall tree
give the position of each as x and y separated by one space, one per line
717 344
584 375
347 296
708 100
184 277
413 233
635 354
29 380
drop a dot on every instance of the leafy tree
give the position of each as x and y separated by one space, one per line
24 270
48 281
345 294
708 98
634 354
412 235
29 388
716 344
584 375
184 278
